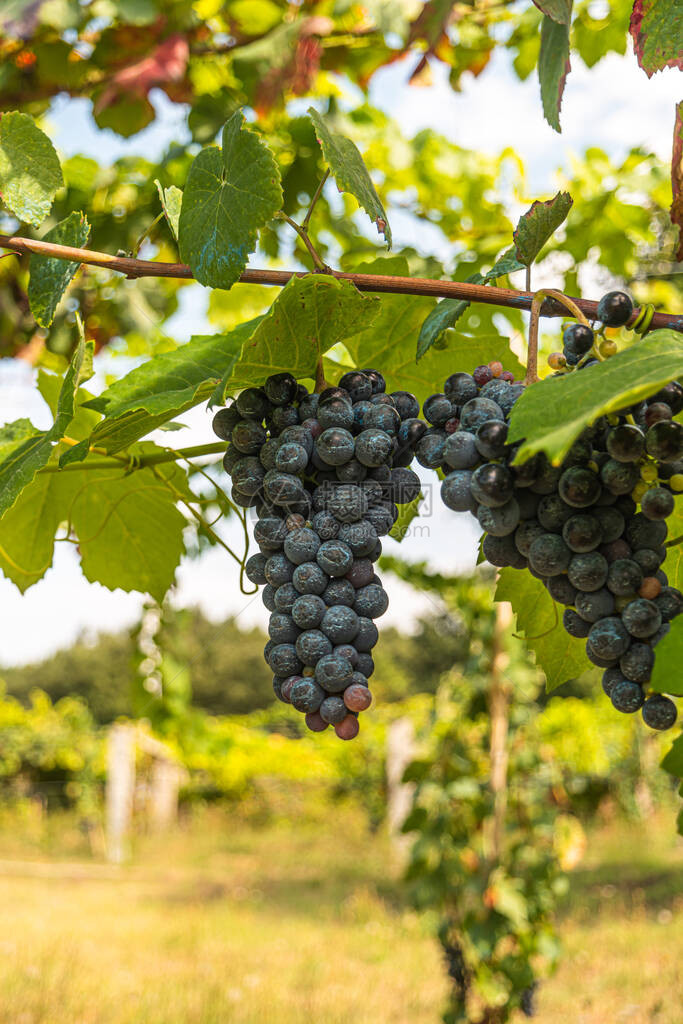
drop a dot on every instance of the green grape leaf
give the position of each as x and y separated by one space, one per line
447 313
171 202
551 414
30 174
129 530
230 193
166 386
49 277
560 656
553 67
444 315
406 514
657 31
310 315
14 434
666 675
559 10
673 565
349 171
389 344
673 760
537 225
677 179
22 461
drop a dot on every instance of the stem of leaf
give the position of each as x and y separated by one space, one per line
320 382
528 278
532 352
146 233
140 462
303 235
316 196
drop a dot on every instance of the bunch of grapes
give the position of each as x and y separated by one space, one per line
592 529
326 474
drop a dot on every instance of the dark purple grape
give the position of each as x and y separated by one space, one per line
614 309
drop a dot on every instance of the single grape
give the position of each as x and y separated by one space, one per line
255 569
361 537
611 521
560 589
280 388
437 409
367 635
248 436
278 569
672 395
490 439
384 417
549 555
499 521
315 722
302 546
406 404
594 605
373 447
588 571
637 663
553 513
574 624
460 388
284 660
307 695
224 422
358 385
371 601
624 577
456 491
502 551
309 578
339 591
619 477
492 484
333 710
669 603
664 441
579 487
268 597
252 404
291 458
626 443
642 618
340 624
659 712
357 697
333 673
578 339
609 638
610 678
478 411
460 450
325 525
642 532
430 448
335 446
308 610
614 309
335 413
657 503
285 596
361 573
582 533
526 533
627 696
347 729
312 645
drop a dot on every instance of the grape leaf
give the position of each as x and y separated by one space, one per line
171 202
130 533
448 311
673 565
537 225
390 343
677 179
560 656
657 31
406 514
49 277
553 67
310 315
30 174
666 675
13 434
349 171
552 413
22 461
165 386
558 10
230 193
673 761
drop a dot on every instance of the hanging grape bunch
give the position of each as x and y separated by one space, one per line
326 474
591 529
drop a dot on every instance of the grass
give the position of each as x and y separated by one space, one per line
224 922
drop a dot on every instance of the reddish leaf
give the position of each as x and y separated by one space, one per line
657 31
167 63
677 179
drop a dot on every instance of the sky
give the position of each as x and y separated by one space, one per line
613 106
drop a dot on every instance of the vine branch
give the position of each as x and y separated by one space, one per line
511 298
138 461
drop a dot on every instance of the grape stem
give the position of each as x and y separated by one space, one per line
320 382
510 298
538 301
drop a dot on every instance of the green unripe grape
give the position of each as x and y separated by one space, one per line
639 491
607 348
556 361
676 482
648 472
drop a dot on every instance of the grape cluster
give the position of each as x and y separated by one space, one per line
591 529
326 474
